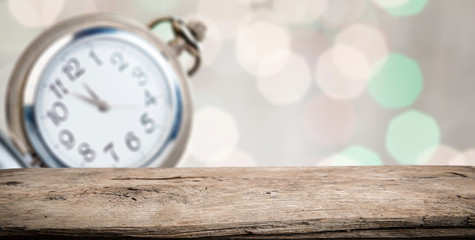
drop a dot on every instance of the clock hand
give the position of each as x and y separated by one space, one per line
103 106
90 91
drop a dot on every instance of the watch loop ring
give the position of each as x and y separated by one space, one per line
187 38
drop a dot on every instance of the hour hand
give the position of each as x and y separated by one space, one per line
90 91
101 105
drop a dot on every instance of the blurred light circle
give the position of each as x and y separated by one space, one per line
402 7
338 160
236 158
252 2
164 31
437 155
363 155
127 8
89 6
213 41
342 72
466 158
340 13
214 134
301 12
309 43
390 3
258 41
329 122
73 8
260 15
350 62
288 84
368 40
396 81
353 156
15 36
38 13
226 14
410 134
158 6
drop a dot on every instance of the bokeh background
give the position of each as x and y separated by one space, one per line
307 82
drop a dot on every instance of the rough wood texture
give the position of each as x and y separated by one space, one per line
260 203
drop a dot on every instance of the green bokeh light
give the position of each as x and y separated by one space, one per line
362 155
409 134
355 156
164 31
158 6
396 81
411 7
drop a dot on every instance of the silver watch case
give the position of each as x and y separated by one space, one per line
25 78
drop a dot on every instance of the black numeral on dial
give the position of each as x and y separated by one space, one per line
110 148
73 69
58 88
87 153
66 138
133 142
149 99
148 123
58 113
140 75
118 59
96 59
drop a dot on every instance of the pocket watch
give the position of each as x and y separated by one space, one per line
101 90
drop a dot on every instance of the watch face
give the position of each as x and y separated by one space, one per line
104 98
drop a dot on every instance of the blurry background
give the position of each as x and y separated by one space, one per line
307 82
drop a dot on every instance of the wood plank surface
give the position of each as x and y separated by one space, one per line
236 203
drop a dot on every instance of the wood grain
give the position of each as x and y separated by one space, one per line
236 203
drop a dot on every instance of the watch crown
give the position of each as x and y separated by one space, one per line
198 29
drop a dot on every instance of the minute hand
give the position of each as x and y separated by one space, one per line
102 105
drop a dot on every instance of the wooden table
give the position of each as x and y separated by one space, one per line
236 203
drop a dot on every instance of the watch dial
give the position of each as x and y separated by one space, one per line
105 101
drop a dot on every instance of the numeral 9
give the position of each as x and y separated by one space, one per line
66 138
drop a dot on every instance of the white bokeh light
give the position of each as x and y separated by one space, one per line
466 158
437 155
340 13
260 15
237 158
213 41
329 122
390 3
226 14
370 41
288 84
38 13
251 2
338 160
260 40
214 134
350 62
302 12
342 72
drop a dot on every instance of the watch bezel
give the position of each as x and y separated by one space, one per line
25 80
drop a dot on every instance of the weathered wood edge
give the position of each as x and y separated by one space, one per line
439 202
